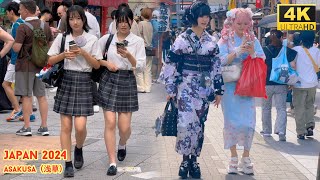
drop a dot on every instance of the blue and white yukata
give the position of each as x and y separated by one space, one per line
183 75
239 111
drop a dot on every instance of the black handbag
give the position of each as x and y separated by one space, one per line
96 73
170 119
55 74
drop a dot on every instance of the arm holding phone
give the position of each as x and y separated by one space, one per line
126 54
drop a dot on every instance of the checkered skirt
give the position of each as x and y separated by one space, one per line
74 97
118 91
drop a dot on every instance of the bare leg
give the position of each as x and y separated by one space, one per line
65 134
233 150
110 134
43 107
245 153
80 123
10 94
27 110
124 124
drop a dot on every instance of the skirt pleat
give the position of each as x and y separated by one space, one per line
118 91
74 97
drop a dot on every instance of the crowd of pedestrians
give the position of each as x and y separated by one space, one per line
132 57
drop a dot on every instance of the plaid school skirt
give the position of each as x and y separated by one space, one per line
74 97
118 91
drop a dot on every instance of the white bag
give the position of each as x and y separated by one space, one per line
231 73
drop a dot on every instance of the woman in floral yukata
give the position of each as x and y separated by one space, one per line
192 76
237 42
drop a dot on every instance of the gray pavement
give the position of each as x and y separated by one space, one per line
151 157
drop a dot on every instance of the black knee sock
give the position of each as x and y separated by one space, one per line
69 164
186 158
193 158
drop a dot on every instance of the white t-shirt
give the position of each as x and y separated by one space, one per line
93 24
135 47
110 27
79 63
305 69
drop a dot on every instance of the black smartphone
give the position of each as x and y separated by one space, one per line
120 45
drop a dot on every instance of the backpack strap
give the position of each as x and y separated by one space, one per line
107 46
63 42
29 25
316 69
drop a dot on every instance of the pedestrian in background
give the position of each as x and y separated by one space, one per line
26 83
275 91
144 78
12 12
237 42
118 88
74 96
308 61
192 75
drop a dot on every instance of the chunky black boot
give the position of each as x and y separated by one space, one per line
184 169
195 171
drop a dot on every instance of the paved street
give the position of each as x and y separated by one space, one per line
151 157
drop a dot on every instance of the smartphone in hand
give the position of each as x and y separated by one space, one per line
72 46
120 45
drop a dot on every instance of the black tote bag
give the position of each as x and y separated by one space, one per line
169 123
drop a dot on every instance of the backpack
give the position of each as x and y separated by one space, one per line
40 46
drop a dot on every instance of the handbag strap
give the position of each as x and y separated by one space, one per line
312 60
169 103
107 46
63 41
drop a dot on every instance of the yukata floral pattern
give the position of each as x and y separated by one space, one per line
184 85
239 112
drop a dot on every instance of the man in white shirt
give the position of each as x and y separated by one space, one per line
308 62
61 12
113 23
92 20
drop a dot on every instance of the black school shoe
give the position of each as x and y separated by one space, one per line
195 171
184 169
301 136
68 172
309 131
121 155
112 171
78 158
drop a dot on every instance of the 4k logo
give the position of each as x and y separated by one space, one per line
296 17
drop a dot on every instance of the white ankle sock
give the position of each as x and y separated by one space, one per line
113 164
121 147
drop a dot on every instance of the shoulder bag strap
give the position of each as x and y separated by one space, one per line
107 46
29 25
312 60
63 40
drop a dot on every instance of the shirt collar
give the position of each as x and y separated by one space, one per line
31 18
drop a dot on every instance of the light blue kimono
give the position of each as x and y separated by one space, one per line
239 111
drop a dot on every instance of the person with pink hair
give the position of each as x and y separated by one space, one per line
236 44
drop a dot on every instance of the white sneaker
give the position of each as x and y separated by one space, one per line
96 108
246 166
233 166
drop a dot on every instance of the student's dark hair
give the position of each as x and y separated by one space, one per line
45 10
113 14
296 39
123 5
196 10
307 38
123 15
73 10
278 33
82 3
67 3
13 6
30 5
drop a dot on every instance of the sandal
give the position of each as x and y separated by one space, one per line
233 166
246 166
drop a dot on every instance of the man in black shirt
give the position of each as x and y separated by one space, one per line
278 91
